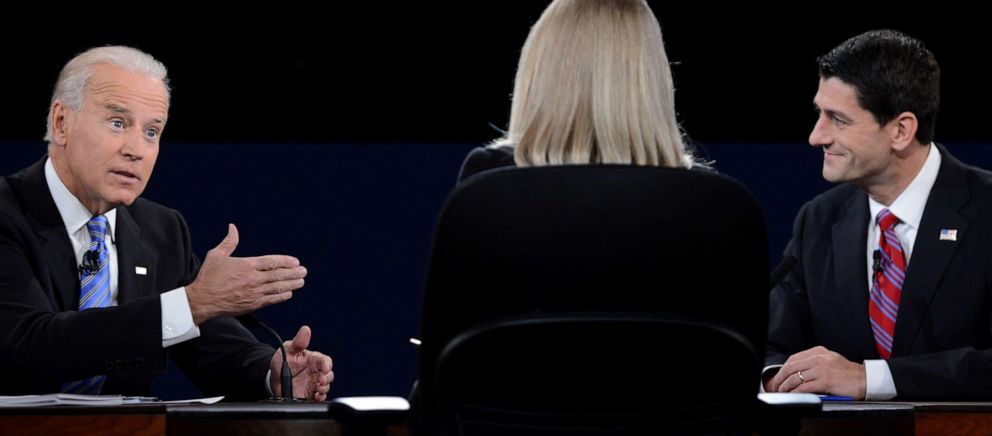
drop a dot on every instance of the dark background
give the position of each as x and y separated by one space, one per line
442 72
342 127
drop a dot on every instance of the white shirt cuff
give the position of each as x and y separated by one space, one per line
761 381
177 318
268 383
878 381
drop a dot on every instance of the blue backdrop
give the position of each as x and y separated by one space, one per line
360 217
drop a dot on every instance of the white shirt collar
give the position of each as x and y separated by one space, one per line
74 214
909 206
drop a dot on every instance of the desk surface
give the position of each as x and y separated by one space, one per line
873 418
198 419
846 418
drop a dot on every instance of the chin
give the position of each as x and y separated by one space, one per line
832 177
124 199
827 174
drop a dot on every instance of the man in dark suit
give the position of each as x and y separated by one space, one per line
98 286
889 297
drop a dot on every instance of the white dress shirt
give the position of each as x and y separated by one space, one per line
177 318
908 207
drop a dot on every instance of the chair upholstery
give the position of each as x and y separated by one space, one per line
517 249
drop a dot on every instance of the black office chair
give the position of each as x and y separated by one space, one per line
594 300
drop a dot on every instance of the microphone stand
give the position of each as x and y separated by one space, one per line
285 376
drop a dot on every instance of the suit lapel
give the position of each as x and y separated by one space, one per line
850 234
46 222
931 255
132 255
63 269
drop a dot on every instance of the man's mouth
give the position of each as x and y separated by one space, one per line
126 174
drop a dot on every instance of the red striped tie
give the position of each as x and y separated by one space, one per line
886 287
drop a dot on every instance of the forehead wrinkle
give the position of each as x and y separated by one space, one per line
110 97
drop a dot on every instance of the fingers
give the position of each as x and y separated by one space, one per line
323 388
282 274
323 381
801 361
277 281
794 380
321 364
227 285
300 342
822 372
779 378
273 261
789 374
312 375
230 242
271 293
280 287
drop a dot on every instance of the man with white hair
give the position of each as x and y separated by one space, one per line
99 286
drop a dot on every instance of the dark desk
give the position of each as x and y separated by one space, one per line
845 419
953 418
878 418
211 420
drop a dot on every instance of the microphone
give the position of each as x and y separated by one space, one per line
91 262
784 267
285 376
876 263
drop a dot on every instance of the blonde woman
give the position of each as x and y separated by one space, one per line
593 86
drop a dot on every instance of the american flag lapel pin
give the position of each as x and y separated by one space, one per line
948 234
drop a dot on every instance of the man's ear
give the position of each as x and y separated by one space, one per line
59 122
903 130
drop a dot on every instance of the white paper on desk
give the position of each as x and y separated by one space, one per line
60 399
374 403
789 398
210 400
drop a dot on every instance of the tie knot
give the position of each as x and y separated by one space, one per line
97 226
887 220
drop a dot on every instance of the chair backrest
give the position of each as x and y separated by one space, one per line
641 241
596 374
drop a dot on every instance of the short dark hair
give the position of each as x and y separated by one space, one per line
892 73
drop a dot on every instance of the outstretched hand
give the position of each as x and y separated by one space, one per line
230 286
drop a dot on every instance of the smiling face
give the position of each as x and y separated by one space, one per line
105 152
856 148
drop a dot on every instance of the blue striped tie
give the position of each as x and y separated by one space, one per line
94 291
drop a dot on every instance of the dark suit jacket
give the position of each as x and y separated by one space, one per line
45 340
942 347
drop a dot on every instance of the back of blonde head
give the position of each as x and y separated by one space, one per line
594 86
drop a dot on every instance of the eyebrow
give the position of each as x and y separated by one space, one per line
831 112
116 108
113 107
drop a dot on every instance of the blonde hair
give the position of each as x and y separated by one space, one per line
593 86
76 73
